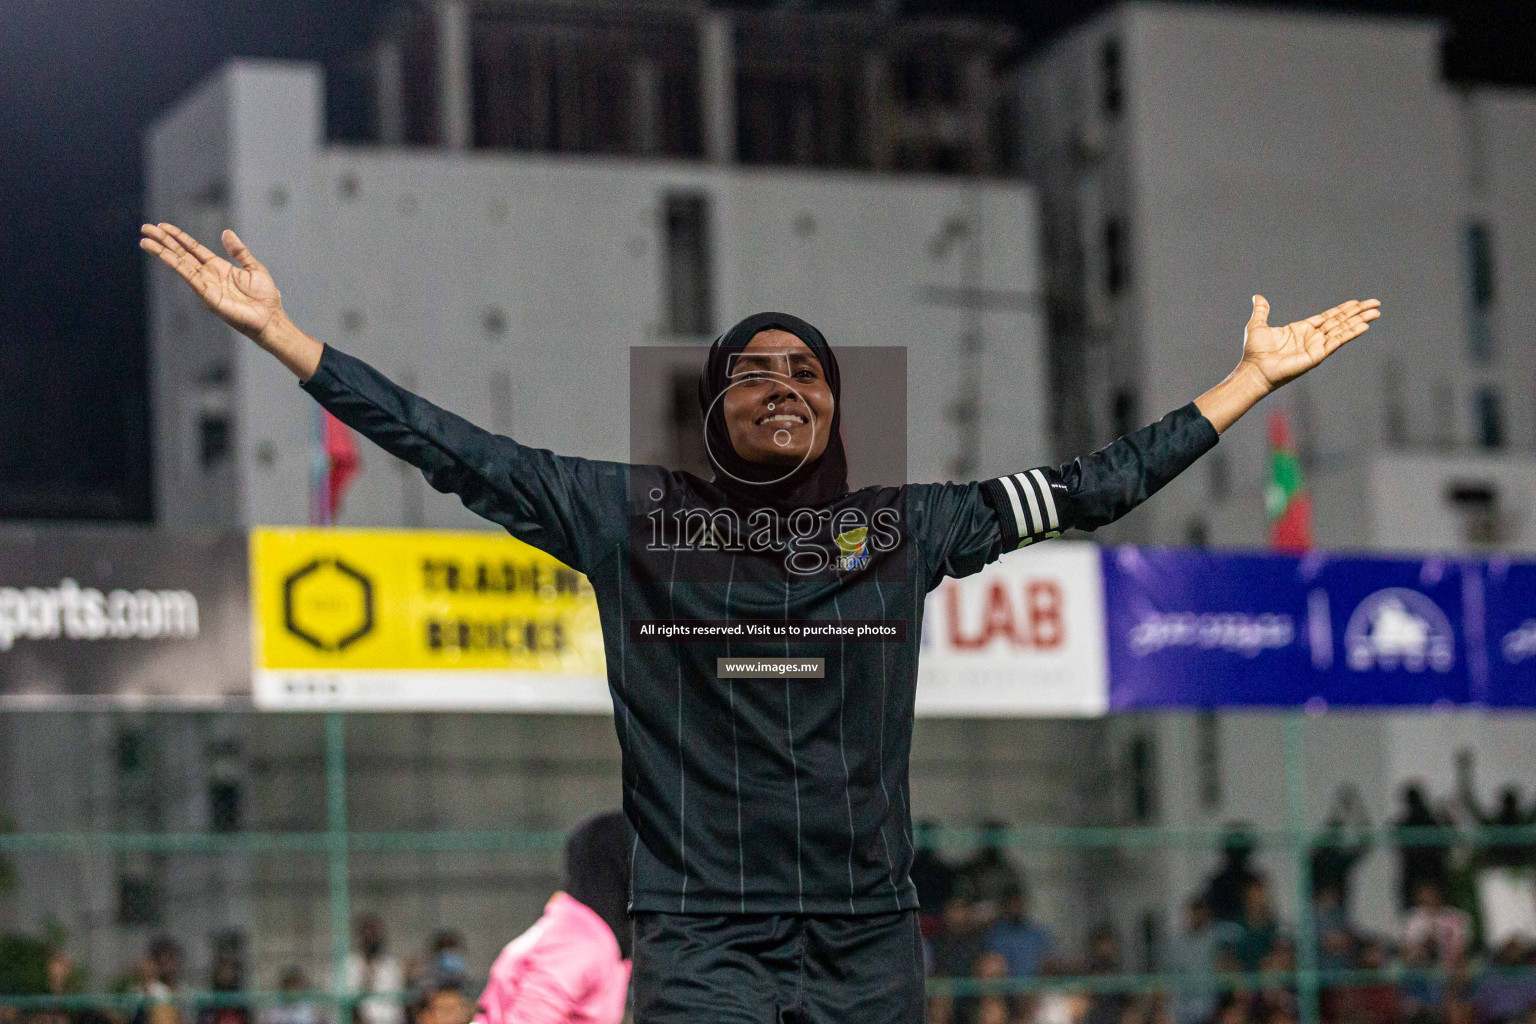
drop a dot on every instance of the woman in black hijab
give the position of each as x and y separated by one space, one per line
770 870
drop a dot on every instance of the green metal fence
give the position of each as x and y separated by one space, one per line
338 844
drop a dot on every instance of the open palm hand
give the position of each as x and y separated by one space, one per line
244 296
1282 354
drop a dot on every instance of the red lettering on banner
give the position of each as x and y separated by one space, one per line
1042 614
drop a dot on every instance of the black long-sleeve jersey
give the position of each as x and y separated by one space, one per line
758 795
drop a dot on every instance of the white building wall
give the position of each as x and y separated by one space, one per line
1312 158
398 257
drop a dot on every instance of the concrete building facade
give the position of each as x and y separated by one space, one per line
1312 158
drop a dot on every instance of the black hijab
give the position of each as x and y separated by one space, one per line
597 872
812 484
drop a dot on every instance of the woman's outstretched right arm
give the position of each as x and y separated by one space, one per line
553 502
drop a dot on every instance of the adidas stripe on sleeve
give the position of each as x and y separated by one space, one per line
1029 506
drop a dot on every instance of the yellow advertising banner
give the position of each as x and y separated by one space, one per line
393 619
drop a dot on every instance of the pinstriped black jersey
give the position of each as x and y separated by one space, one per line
758 795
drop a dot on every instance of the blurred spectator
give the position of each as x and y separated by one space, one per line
996 1009
955 950
292 1007
225 981
1335 934
1224 892
1344 840
1422 860
932 876
445 1001
448 959
1259 928
1506 992
1023 944
1374 1002
989 872
372 972
1059 1006
1506 886
1277 1002
1434 933
1104 958
161 985
1194 953
58 979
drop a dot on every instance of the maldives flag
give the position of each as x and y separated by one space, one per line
338 462
1286 500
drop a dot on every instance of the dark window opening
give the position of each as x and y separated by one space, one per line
1116 272
1208 759
1480 262
686 248
1478 504
1123 412
1197 533
139 900
1480 281
688 426
224 805
212 440
1143 794
1114 87
1490 420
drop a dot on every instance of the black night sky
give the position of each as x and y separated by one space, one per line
80 80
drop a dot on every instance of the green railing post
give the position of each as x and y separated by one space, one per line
336 854
1301 845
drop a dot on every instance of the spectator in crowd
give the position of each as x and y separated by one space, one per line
932 876
1506 885
292 1006
1502 854
1422 860
1506 994
1345 839
1373 1002
1060 1006
448 959
996 1008
1335 934
58 978
1259 928
989 872
573 965
226 980
1104 958
1023 944
1194 954
444 1000
374 974
1277 1001
1435 933
161 985
1225 890
955 950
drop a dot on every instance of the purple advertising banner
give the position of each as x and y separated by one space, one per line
1510 589
1205 629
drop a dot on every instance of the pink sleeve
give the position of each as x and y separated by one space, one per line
544 985
547 995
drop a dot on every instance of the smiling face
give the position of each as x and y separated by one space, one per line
778 406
